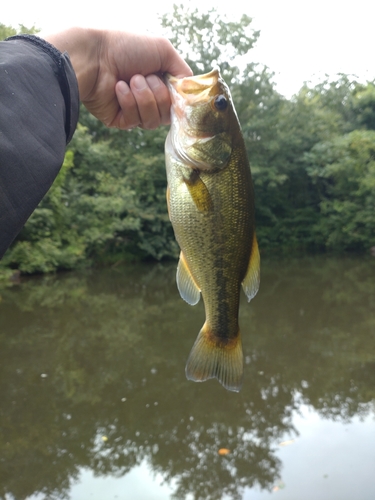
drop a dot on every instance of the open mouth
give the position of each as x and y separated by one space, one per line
194 88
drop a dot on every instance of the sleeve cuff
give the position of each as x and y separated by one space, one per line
66 77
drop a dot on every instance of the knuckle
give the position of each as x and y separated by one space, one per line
151 124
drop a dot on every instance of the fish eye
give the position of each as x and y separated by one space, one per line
221 102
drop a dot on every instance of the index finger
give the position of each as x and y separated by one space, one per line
171 61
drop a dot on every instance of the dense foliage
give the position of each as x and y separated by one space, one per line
312 160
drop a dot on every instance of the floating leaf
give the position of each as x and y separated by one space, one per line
223 451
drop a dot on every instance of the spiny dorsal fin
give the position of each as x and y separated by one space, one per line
250 284
186 285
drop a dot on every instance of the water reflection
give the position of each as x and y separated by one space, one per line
92 376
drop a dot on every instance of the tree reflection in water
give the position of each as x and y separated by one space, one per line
102 353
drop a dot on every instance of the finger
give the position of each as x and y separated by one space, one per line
128 116
171 61
147 106
161 96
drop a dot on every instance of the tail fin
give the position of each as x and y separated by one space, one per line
210 357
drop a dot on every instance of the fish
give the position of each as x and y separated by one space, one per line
210 198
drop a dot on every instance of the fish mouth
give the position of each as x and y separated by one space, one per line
187 134
195 89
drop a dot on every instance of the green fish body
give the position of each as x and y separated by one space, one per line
211 207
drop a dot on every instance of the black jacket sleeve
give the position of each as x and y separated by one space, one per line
39 105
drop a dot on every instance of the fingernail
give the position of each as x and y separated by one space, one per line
123 87
139 82
153 81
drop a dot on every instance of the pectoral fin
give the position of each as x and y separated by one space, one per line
168 196
251 281
199 192
186 285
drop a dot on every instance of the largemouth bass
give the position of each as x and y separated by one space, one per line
211 207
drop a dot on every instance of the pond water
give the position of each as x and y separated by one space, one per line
95 404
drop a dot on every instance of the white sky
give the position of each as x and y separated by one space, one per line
299 40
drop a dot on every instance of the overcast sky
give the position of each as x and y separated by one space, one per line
299 40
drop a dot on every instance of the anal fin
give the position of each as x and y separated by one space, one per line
250 284
186 285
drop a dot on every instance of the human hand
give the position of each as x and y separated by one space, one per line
119 74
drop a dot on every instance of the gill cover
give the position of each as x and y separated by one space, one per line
200 132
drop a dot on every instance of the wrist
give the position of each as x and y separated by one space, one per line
83 46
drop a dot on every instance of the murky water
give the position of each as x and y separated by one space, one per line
95 405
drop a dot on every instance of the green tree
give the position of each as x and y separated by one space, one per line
343 170
108 203
7 31
288 201
205 39
364 105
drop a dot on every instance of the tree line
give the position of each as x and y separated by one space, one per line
312 161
